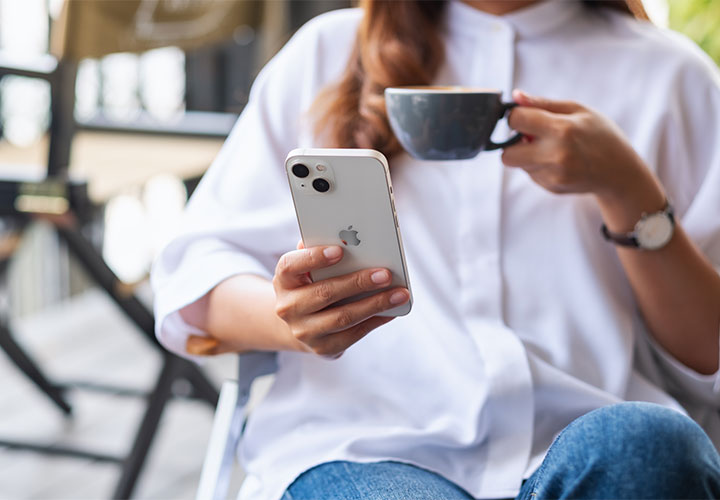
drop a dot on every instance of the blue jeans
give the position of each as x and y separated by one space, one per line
627 450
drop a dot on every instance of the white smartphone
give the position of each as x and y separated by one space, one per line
344 197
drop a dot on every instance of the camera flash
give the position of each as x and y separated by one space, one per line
320 168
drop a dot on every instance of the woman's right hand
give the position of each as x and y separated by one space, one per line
306 306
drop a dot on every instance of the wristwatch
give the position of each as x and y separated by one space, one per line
652 231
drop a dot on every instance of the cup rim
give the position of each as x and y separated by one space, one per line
439 89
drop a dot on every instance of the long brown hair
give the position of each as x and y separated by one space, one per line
398 43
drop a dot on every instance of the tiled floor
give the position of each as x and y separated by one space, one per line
88 339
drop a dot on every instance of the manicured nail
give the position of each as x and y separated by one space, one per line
398 297
380 277
332 253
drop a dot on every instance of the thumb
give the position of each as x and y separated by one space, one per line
562 107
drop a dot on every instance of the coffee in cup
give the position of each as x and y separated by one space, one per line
446 123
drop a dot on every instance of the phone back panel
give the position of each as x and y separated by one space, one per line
356 212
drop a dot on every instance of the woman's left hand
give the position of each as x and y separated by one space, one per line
569 148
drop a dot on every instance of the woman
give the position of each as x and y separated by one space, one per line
525 317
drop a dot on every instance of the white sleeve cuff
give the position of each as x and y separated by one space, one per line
685 381
174 333
179 289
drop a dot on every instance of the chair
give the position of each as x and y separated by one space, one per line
124 25
229 422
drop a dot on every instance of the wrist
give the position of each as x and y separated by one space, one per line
623 207
289 341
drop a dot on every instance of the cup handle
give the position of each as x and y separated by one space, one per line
490 146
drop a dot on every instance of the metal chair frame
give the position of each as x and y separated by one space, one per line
229 423
61 75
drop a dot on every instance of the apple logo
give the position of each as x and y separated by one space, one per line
349 236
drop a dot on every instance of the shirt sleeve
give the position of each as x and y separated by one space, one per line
689 168
240 218
692 389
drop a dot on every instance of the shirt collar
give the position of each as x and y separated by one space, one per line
535 20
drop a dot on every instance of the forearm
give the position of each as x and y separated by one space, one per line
676 287
239 316
574 149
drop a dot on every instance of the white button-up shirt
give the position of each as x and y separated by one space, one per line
523 318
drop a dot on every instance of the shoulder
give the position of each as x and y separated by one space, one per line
675 88
329 36
286 87
316 54
335 25
660 52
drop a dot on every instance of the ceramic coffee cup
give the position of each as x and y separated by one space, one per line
446 123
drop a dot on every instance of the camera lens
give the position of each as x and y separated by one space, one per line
321 185
300 170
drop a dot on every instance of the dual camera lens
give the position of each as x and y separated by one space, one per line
320 185
300 170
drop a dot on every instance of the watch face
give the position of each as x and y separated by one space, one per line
654 231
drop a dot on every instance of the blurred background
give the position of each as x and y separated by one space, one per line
114 109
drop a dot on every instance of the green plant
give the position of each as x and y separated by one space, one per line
700 20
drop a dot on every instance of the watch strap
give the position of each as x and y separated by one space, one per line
625 240
630 239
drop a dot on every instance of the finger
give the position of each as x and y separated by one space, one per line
305 279
346 316
319 295
554 106
332 356
530 155
292 268
531 121
520 155
333 346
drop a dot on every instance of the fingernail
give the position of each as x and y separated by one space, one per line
332 253
523 97
398 297
380 277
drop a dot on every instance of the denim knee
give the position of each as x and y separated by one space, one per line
630 450
637 434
